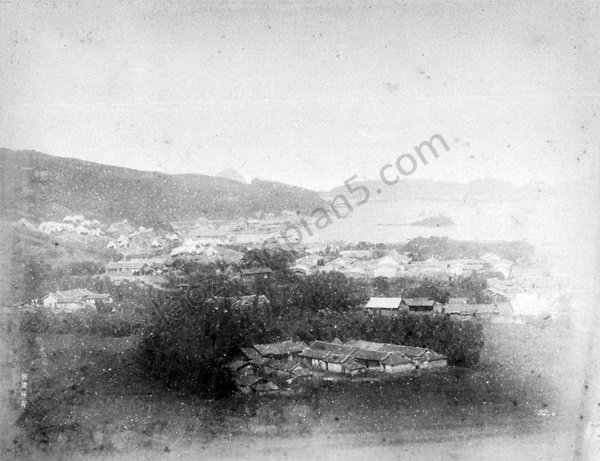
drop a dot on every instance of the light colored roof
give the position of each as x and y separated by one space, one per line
245 301
383 303
457 300
419 302
76 295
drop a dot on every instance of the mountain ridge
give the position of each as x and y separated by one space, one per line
48 187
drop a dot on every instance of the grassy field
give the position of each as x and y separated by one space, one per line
86 396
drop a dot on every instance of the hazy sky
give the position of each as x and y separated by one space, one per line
307 92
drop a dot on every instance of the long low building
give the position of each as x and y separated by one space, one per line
356 356
71 300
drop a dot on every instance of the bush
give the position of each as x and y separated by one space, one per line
186 346
85 321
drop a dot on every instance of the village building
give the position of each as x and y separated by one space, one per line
71 300
389 266
281 350
429 266
386 306
247 384
256 273
371 359
356 254
307 264
358 269
335 358
129 268
422 305
496 295
396 362
246 302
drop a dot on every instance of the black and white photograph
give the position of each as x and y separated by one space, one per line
309 230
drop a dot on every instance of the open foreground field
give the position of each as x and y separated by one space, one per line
87 398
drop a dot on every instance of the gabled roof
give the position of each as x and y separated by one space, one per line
76 293
280 348
332 357
408 351
69 300
362 344
248 301
314 354
75 296
248 380
419 302
237 364
250 353
383 303
396 358
364 354
431 356
98 296
332 347
265 386
471 309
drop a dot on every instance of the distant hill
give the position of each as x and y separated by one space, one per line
41 186
230 173
434 221
488 189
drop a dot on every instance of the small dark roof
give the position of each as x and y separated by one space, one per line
248 380
250 353
283 365
265 386
239 364
300 372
